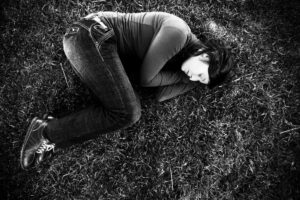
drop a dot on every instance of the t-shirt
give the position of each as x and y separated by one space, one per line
146 42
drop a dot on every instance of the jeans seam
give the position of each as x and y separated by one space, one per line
96 43
97 46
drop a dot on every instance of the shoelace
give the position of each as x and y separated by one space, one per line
45 147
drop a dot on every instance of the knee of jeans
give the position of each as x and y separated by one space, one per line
134 114
66 47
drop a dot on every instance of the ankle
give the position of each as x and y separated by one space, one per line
46 134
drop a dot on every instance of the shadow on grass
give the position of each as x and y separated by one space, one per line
281 20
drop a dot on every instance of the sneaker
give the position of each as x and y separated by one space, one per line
35 147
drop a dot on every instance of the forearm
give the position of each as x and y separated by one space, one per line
167 92
166 44
165 78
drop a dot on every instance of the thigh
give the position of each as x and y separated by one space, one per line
94 57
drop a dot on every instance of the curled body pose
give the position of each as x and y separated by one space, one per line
112 51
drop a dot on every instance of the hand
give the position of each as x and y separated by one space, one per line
185 78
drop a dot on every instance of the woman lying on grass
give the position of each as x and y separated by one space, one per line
111 51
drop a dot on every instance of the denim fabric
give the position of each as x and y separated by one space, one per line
91 49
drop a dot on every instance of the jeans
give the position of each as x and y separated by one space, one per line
91 49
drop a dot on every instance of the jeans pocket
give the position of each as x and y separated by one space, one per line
101 33
101 36
101 28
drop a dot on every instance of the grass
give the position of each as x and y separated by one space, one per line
238 141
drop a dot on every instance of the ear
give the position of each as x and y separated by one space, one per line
204 57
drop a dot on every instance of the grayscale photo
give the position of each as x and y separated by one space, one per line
148 99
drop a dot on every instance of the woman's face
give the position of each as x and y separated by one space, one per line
196 67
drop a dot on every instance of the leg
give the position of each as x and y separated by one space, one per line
93 55
102 71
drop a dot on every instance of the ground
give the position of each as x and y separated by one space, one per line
237 141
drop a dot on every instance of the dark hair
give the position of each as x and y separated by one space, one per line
220 63
220 60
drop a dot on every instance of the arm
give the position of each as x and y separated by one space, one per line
167 92
167 43
164 78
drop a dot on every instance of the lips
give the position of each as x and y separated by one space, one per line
188 73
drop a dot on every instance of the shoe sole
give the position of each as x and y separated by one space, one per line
26 140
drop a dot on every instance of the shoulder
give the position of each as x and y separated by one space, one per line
176 23
163 19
